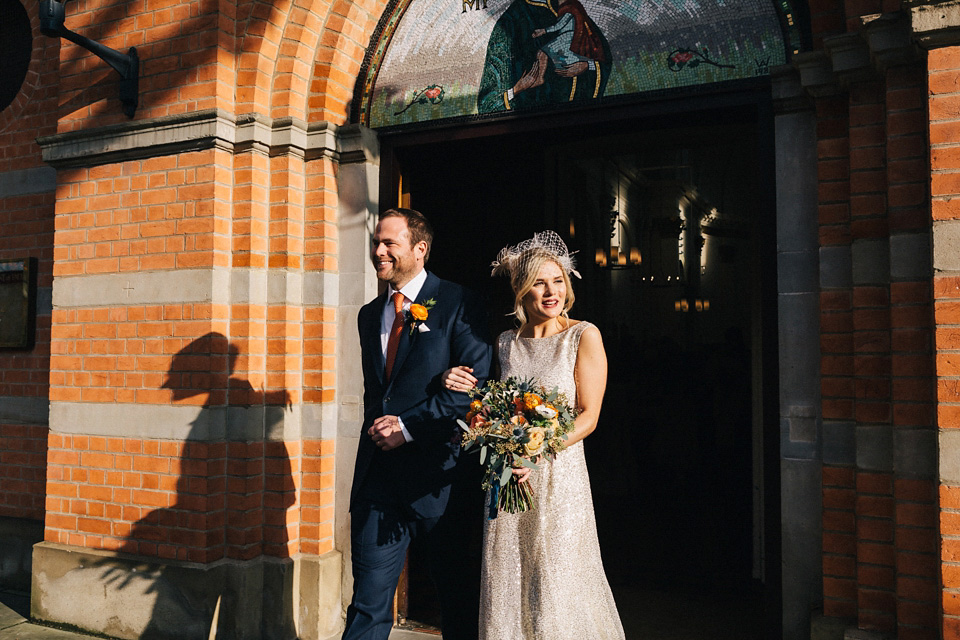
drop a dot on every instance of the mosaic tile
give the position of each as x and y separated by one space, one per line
440 59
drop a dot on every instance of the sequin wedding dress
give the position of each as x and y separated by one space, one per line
542 574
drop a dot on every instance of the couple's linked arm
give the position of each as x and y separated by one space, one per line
591 379
470 345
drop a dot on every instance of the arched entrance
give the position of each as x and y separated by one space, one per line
668 193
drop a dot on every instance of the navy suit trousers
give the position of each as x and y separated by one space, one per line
381 534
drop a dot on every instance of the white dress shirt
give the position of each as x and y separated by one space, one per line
410 292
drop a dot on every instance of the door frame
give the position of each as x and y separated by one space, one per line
653 111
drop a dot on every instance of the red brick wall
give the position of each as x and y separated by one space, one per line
185 60
22 470
879 528
26 231
943 68
192 501
912 394
837 360
194 210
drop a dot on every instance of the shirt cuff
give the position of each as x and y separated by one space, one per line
403 430
507 97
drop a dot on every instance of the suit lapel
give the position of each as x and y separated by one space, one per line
407 340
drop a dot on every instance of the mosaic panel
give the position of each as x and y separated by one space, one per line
438 59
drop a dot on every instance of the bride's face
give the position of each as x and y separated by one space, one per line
545 299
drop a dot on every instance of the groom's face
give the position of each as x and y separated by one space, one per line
395 259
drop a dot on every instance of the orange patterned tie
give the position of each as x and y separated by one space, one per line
394 341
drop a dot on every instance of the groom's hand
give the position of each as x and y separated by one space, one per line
386 433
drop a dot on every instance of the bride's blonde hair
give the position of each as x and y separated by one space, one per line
524 276
522 264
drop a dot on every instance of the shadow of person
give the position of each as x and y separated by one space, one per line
212 552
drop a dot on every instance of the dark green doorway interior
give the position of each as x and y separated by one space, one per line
670 221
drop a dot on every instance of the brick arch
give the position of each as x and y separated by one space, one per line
260 35
299 58
298 46
343 43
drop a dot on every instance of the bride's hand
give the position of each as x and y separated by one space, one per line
522 473
459 379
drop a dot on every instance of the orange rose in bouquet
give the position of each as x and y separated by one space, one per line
513 423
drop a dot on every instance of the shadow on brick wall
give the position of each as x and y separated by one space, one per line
221 537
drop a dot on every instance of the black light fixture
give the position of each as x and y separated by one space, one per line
52 15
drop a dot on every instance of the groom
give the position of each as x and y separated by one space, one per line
409 482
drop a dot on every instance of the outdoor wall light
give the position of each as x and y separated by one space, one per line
52 15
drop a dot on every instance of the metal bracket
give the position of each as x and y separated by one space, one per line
52 16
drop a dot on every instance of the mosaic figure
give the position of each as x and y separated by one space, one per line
577 38
539 54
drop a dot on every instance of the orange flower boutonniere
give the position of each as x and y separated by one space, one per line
419 313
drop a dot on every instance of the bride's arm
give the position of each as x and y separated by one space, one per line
459 378
591 377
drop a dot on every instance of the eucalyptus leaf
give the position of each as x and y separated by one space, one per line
523 462
505 476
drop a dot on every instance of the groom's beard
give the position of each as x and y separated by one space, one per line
395 270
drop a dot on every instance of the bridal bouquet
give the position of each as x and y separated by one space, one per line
514 423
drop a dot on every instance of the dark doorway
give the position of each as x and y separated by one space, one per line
672 222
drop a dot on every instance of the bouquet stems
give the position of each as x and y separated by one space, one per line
516 497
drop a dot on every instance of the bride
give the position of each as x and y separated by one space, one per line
542 574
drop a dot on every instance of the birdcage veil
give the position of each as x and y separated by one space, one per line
512 261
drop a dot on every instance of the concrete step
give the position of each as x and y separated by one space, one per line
14 626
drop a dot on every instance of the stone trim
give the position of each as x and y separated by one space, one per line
946 247
910 256
885 41
915 452
949 451
189 422
871 261
195 131
20 410
849 57
221 286
358 144
874 447
144 288
787 93
26 182
839 442
934 24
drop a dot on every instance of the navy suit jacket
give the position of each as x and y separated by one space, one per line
417 475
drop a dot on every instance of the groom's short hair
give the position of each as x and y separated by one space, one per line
417 223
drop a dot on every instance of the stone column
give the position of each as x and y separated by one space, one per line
359 204
801 439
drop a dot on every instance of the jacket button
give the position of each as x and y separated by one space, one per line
387 399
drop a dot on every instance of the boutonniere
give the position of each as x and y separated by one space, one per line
418 313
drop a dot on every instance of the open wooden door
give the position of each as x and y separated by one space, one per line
397 194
